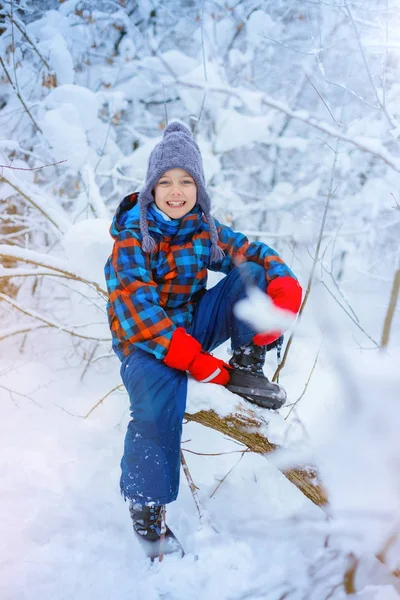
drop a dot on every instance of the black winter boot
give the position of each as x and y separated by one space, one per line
152 532
248 380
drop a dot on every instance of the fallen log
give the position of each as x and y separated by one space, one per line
246 429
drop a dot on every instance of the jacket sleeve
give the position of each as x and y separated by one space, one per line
238 249
134 303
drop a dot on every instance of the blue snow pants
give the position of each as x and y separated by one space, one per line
151 461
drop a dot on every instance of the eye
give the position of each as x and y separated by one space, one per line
165 182
187 181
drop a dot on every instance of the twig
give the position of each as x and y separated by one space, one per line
20 394
204 68
49 323
315 261
33 168
359 142
296 50
193 488
43 260
350 575
19 96
350 315
53 216
323 101
13 332
394 198
390 310
13 45
392 122
221 481
382 554
306 384
212 453
117 387
163 532
89 361
29 40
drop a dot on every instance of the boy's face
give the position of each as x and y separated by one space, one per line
175 193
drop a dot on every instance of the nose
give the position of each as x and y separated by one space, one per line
176 190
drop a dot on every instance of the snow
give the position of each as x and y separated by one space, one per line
65 530
83 100
68 532
246 130
88 245
62 128
260 23
50 31
261 314
71 112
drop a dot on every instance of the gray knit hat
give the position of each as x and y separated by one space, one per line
177 149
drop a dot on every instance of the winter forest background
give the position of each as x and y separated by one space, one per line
295 106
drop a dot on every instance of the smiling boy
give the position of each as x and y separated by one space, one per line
165 322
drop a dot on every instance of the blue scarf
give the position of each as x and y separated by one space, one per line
184 227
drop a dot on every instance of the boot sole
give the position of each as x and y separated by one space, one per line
252 396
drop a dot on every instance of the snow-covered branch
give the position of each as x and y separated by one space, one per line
56 265
374 147
71 330
44 204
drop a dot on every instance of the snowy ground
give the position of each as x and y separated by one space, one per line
66 533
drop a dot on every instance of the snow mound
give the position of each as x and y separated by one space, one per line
88 244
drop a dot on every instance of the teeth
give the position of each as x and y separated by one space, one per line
175 203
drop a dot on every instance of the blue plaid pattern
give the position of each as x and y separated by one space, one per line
150 295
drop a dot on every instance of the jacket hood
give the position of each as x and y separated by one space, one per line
128 216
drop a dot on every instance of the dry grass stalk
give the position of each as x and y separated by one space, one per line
391 310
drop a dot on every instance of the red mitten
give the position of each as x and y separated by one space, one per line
208 369
186 354
285 293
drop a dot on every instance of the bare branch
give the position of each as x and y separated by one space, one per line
28 39
350 575
292 407
12 332
43 205
193 488
361 143
33 168
114 389
323 101
392 122
331 191
12 392
28 112
53 324
245 427
57 265
221 481
391 310
348 313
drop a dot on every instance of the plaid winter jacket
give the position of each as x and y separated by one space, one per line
150 295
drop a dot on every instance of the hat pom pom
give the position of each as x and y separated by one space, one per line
175 126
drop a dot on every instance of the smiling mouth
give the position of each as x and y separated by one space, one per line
176 204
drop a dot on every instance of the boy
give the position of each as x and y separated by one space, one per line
165 322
